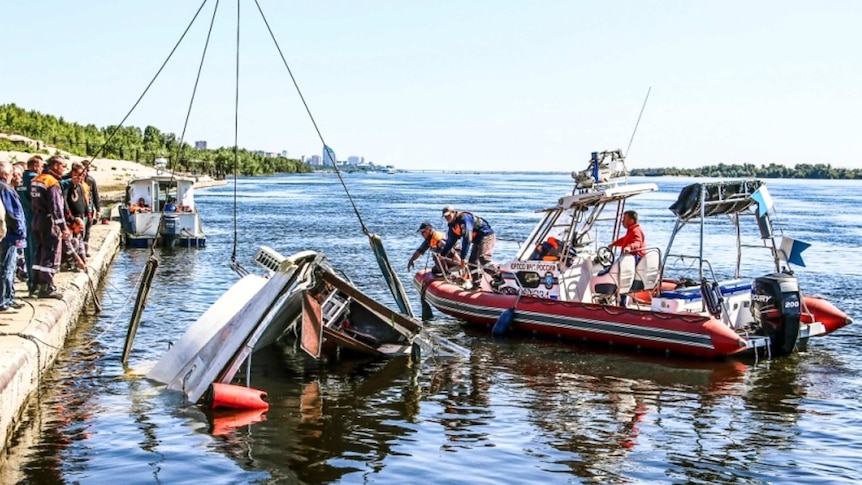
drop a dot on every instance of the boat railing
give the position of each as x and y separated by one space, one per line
453 272
710 291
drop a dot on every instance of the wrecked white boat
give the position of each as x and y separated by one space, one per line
302 296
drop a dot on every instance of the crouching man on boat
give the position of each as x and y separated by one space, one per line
547 250
476 237
435 241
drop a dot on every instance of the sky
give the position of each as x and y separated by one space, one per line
459 85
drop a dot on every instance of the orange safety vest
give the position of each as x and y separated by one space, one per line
436 238
553 253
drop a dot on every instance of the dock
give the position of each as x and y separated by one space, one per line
33 336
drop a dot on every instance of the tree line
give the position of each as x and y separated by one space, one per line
800 171
142 146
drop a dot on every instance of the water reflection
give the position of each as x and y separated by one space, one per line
332 418
519 410
591 408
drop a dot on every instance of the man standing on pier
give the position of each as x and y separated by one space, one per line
16 237
95 209
49 226
34 169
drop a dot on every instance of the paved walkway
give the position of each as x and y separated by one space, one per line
31 337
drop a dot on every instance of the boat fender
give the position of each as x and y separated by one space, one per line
711 297
427 312
502 324
235 397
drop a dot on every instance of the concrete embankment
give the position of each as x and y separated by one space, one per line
31 337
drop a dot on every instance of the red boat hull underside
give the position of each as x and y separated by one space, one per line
676 333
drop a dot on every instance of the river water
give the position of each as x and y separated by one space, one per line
519 410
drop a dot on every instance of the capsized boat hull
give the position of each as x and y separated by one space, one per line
682 334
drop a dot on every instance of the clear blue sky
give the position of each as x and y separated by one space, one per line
480 85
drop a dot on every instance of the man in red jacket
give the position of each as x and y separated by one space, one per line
634 241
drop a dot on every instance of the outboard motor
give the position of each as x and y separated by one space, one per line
776 305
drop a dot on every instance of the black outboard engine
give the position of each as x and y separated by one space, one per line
775 303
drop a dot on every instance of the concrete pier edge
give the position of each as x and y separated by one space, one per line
32 337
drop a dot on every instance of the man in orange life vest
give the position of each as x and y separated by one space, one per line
49 227
548 250
477 240
433 240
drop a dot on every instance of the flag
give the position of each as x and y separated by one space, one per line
328 156
763 199
791 250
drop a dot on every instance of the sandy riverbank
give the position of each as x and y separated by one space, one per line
111 175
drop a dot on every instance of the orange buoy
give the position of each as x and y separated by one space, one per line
235 397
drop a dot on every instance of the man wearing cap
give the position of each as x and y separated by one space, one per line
433 240
49 227
476 237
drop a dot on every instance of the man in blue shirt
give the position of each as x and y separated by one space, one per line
477 240
16 237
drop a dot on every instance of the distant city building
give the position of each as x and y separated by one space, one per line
353 160
315 160
284 153
201 145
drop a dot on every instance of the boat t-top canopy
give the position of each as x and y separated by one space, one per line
715 198
600 196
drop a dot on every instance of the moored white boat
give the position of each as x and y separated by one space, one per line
160 210
650 302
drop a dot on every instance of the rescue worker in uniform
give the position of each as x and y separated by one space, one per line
548 250
435 241
476 237
49 227
34 169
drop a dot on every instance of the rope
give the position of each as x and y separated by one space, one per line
313 122
120 312
235 138
195 88
179 150
179 41
637 123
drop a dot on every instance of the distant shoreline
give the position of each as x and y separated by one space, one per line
112 176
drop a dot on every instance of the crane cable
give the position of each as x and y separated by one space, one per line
326 147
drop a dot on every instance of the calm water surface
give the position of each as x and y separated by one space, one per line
518 410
